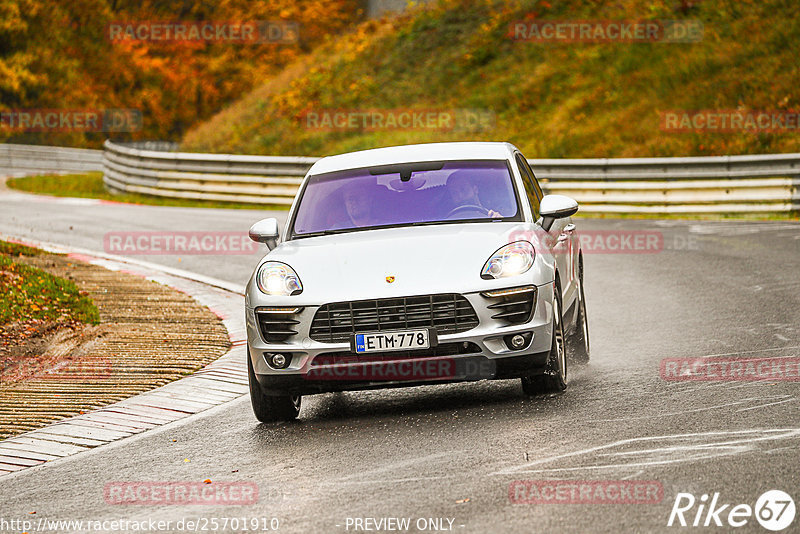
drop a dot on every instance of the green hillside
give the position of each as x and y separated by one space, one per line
552 99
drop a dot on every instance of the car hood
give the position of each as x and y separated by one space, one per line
418 260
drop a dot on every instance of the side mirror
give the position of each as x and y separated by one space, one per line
555 207
265 231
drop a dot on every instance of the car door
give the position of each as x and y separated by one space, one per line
563 244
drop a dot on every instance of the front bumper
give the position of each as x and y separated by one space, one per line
477 354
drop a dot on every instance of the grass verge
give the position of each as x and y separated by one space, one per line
31 295
784 216
90 185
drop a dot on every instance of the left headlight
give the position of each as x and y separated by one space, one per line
275 278
510 260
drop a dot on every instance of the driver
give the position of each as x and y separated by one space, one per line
358 207
463 192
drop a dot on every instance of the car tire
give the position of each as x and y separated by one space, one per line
578 339
269 408
554 378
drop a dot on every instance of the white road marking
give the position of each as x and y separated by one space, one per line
633 475
703 448
773 451
694 410
765 405
701 386
736 385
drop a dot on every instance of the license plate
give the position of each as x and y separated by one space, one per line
400 340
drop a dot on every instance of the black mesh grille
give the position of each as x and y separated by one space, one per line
447 313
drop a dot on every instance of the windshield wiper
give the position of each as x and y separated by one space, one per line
398 225
317 234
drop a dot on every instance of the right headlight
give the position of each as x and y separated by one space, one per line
510 260
275 278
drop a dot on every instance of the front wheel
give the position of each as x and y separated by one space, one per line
268 408
554 378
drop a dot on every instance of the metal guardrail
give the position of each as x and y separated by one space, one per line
720 184
49 158
246 179
723 184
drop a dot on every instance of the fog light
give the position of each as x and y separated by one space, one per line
278 360
518 341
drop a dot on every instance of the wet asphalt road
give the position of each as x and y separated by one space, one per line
716 288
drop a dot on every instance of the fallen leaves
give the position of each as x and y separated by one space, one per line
35 304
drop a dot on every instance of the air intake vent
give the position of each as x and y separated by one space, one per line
513 306
277 324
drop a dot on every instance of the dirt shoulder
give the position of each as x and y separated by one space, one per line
148 335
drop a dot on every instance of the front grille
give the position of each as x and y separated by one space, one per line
447 313
276 327
443 349
515 308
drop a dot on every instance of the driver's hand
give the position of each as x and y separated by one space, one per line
494 215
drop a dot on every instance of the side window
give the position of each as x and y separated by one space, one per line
530 185
536 185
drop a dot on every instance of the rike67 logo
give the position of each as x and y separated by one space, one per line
774 510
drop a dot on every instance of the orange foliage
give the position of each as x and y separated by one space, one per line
58 55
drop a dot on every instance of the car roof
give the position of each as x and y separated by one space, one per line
412 153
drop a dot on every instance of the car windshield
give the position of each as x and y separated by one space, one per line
405 194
